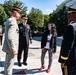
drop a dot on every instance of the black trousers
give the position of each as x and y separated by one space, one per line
22 48
69 70
1 39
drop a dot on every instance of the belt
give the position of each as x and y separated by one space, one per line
48 40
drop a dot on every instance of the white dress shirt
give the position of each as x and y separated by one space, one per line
48 43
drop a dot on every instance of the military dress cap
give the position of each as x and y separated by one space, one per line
17 8
71 10
24 16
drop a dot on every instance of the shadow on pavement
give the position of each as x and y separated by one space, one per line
19 72
34 48
2 66
15 71
33 71
1 63
16 63
59 41
37 39
2 72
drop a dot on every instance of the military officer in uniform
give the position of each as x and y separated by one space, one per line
24 37
67 56
10 45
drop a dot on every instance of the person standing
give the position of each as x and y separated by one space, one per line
24 37
11 39
1 33
48 43
67 56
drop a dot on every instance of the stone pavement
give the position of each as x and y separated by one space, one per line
33 62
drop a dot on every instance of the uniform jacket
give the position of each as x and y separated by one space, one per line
11 35
68 48
24 33
52 41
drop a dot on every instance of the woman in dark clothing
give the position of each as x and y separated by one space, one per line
48 43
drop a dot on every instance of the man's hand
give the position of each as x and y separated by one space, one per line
62 65
30 41
15 52
1 34
42 49
54 52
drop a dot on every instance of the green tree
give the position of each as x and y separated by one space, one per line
59 17
3 15
9 4
46 20
36 19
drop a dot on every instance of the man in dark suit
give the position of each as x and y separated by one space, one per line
67 56
24 37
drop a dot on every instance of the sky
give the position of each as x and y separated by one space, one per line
46 6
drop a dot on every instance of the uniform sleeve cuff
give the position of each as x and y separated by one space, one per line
64 58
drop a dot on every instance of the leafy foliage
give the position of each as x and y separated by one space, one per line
36 18
9 4
59 17
3 15
46 20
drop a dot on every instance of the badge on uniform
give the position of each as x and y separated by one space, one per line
21 28
17 30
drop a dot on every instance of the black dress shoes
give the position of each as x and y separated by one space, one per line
19 64
25 63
